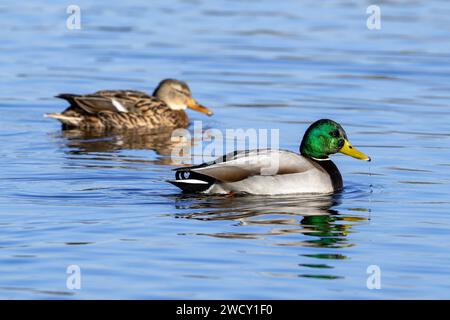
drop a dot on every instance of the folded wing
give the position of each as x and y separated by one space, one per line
237 166
107 100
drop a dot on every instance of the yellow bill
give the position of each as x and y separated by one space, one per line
351 151
194 105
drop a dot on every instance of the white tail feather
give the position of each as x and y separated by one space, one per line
71 121
191 181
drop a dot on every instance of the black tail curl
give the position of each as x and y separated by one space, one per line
184 181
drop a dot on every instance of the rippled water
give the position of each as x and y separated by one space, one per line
100 202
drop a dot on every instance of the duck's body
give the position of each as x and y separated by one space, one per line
114 109
257 172
129 109
272 172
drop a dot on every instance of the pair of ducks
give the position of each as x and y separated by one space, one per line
266 172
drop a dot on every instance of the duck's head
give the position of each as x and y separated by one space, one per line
325 137
177 95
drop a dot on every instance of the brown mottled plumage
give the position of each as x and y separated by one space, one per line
129 109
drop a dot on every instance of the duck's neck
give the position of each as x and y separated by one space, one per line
332 170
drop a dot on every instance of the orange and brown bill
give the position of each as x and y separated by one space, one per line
194 105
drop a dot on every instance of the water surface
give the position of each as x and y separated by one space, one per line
102 203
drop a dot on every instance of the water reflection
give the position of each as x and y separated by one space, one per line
301 221
160 141
241 206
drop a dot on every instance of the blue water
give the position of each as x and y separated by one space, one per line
101 203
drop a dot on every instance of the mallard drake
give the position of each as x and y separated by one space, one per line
129 109
270 171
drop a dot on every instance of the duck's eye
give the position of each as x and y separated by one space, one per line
334 133
181 92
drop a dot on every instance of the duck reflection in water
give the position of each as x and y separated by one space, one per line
307 221
160 141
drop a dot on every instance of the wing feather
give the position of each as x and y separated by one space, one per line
95 104
241 165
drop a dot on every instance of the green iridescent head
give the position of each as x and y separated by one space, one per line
325 137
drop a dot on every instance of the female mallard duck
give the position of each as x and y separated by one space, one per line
275 171
129 109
